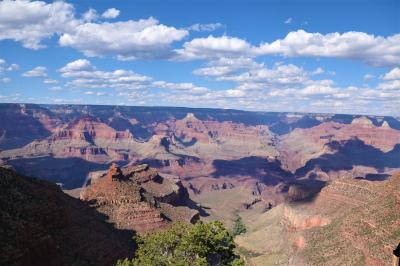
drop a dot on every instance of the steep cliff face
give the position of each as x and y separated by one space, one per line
40 225
138 198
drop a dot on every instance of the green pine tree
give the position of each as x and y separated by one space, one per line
201 244
239 227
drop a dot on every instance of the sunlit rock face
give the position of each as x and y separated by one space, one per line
138 198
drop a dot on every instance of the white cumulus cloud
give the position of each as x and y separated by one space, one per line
5 80
214 47
392 74
227 66
50 81
31 22
367 77
190 87
288 21
145 38
205 27
39 71
318 71
84 75
391 81
111 13
374 50
4 66
77 65
90 15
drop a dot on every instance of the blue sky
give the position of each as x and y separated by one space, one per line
306 56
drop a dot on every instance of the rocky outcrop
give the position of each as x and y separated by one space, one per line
362 121
138 198
40 225
301 221
385 124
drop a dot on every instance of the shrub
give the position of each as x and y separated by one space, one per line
199 245
239 227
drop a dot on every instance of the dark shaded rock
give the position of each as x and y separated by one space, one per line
40 225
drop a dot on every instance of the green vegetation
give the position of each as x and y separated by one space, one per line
199 245
247 253
239 227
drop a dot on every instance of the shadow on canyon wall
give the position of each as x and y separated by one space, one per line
166 143
305 190
347 155
350 153
186 144
374 177
138 131
19 127
70 172
283 127
269 172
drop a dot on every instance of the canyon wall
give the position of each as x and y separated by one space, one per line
209 149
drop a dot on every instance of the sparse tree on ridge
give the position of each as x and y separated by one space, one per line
239 227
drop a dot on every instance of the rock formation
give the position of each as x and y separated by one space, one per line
363 121
385 124
138 198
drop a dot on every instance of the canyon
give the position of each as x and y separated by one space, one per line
207 149
294 178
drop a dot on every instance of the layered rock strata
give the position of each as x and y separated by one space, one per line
138 198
